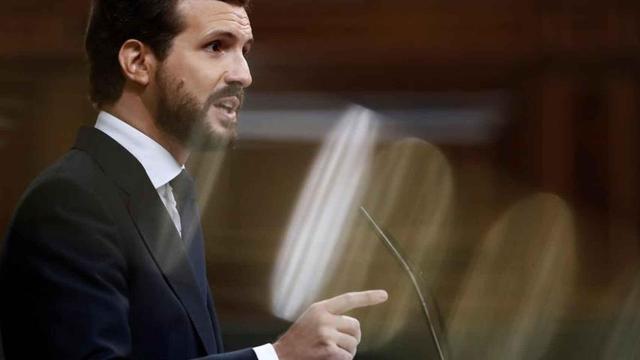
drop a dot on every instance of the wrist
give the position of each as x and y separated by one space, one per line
279 349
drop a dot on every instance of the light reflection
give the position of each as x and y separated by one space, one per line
205 167
314 238
623 340
516 289
410 194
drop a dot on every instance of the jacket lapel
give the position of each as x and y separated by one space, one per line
154 226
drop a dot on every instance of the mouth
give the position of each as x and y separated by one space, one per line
229 105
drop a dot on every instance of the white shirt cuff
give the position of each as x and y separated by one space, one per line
266 352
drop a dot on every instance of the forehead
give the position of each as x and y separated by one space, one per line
205 16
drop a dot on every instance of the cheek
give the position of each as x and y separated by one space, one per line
190 78
206 73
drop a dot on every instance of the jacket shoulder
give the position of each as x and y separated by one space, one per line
74 181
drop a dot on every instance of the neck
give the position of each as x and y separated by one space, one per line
134 112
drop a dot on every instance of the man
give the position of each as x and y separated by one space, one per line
104 257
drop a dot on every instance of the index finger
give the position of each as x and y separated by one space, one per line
346 302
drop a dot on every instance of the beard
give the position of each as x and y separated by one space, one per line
181 116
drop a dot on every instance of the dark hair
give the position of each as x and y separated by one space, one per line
112 22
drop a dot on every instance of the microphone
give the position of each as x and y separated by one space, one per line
389 243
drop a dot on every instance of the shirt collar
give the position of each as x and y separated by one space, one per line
160 166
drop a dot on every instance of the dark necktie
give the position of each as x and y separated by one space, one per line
184 194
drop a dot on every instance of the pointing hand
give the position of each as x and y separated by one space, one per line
323 332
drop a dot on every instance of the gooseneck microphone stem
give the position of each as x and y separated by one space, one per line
425 309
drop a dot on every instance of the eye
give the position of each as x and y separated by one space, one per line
215 46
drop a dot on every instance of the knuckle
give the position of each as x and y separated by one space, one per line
316 309
350 298
356 323
329 353
352 324
323 317
324 333
354 344
332 351
335 353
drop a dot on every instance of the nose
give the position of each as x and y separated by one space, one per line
239 72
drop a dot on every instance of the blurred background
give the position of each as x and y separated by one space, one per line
497 141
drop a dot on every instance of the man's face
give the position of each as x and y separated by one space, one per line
200 84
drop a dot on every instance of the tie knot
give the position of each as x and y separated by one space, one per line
182 186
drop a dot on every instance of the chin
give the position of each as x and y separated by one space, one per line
217 138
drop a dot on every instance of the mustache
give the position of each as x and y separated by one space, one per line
227 91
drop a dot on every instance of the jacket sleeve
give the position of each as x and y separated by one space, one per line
245 354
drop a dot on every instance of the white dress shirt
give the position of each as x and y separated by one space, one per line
161 167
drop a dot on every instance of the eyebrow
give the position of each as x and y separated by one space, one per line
228 34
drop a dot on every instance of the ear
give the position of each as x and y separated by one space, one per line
136 61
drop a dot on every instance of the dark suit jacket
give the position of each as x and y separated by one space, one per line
94 268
